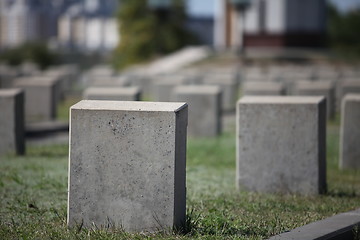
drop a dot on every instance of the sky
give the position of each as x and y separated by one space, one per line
206 7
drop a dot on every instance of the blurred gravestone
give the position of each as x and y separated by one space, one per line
350 132
12 121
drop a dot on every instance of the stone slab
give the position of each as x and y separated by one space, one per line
127 165
164 85
281 144
350 132
318 88
12 133
338 227
112 93
229 86
263 89
204 109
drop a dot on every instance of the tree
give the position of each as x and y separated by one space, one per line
344 36
145 33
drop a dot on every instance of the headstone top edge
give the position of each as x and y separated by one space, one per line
198 89
137 106
352 96
281 99
10 92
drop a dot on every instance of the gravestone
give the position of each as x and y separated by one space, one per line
112 93
41 97
164 85
12 121
318 88
350 132
349 86
229 86
281 145
204 109
127 165
263 89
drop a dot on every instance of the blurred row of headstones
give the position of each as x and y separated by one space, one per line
281 140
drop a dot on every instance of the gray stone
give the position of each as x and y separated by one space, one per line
7 76
12 121
110 81
112 93
164 85
204 109
318 88
281 145
263 89
349 86
229 86
350 132
338 227
41 97
127 165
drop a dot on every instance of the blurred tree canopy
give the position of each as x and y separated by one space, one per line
344 34
35 52
146 33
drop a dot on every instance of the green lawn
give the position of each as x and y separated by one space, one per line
34 196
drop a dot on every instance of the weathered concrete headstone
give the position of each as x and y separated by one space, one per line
127 165
350 132
281 145
112 93
319 88
41 97
12 121
263 89
204 109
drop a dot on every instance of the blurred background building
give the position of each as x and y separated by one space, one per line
91 25
275 23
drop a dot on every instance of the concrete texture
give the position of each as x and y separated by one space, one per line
41 97
318 88
338 227
263 89
12 133
127 165
229 86
281 145
112 93
204 109
350 132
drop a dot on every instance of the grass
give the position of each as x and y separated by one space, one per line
33 199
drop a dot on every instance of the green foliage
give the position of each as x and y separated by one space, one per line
145 33
29 52
344 36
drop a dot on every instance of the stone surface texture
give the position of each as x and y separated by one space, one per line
12 134
112 93
127 165
281 144
350 132
204 109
